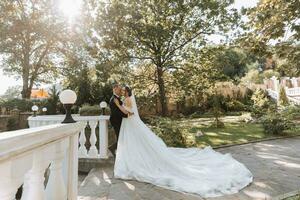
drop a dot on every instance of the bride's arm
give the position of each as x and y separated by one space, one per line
121 107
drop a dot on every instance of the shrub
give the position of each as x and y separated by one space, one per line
292 111
261 103
12 124
196 114
260 99
234 105
170 132
87 110
20 104
275 123
283 100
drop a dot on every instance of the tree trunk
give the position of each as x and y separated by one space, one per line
26 91
162 92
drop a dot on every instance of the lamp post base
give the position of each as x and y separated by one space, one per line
68 118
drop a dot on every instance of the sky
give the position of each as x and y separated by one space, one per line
6 81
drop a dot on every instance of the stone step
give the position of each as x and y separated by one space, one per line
86 164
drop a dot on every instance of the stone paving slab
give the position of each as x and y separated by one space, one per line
275 165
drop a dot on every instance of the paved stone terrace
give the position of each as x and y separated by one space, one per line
275 165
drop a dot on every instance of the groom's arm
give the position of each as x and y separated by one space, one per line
118 110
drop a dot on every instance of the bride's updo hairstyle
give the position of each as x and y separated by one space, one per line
128 90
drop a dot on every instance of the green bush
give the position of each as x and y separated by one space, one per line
260 99
276 123
87 110
261 104
196 114
22 105
283 100
235 105
12 124
170 133
292 111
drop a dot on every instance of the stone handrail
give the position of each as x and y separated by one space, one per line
273 94
293 91
91 122
26 154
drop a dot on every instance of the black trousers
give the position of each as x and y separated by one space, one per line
116 126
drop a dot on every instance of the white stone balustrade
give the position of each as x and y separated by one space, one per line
92 123
293 91
273 94
26 154
293 94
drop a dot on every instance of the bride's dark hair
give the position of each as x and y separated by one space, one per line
128 90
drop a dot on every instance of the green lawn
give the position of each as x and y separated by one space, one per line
297 197
235 132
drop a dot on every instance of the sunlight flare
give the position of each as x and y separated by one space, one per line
70 8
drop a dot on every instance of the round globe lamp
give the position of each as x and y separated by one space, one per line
44 110
103 105
68 98
34 108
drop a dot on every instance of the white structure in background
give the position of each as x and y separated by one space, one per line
91 122
291 86
26 154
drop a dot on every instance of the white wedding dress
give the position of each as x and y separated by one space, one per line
143 156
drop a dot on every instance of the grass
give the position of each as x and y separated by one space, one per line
297 197
234 132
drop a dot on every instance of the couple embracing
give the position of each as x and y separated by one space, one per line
141 155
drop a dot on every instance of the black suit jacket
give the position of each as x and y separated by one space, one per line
116 114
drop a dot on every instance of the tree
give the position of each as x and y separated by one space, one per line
158 31
53 101
32 34
12 92
274 29
197 76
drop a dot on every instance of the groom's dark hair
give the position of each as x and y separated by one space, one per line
115 85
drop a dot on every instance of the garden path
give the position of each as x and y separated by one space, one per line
275 165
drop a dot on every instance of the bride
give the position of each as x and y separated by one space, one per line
143 156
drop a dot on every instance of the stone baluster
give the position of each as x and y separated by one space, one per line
82 153
73 168
33 187
56 188
12 174
103 137
275 83
93 152
294 82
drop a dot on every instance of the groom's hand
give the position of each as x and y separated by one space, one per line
130 114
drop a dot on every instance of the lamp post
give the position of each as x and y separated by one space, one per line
103 105
34 108
44 110
68 98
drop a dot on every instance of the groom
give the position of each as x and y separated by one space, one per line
116 115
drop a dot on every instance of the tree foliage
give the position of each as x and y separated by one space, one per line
32 34
275 29
158 31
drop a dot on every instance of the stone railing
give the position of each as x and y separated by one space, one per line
26 154
90 122
273 94
293 91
